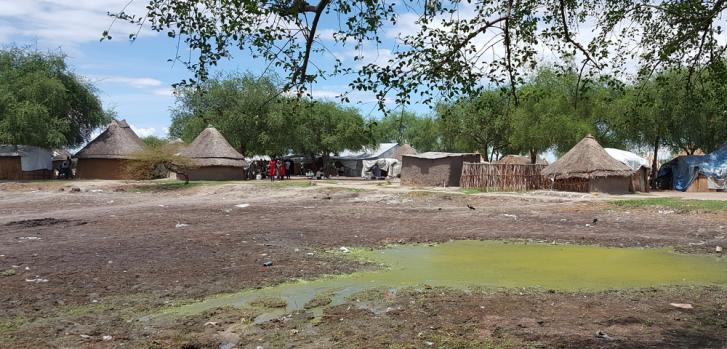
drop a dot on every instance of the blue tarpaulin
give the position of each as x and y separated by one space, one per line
685 169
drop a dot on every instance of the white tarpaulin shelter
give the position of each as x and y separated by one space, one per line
391 166
31 158
632 160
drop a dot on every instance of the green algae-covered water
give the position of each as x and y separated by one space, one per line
462 264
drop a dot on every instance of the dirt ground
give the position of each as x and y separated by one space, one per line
79 268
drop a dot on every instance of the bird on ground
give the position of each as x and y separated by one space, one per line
595 220
470 207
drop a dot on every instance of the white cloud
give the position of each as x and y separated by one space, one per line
143 82
56 23
164 92
149 131
326 34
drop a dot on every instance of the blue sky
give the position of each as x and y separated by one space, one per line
135 78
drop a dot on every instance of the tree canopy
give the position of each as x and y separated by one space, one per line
43 103
456 48
256 119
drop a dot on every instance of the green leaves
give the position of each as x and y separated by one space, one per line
256 118
43 103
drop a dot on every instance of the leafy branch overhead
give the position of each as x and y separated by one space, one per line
458 47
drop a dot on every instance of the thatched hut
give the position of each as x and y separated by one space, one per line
434 169
588 168
107 156
404 149
214 158
520 160
19 162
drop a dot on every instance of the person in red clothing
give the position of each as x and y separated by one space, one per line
271 169
281 171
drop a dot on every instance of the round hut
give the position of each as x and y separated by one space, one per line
404 149
107 156
588 168
214 158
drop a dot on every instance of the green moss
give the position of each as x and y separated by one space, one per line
461 265
674 203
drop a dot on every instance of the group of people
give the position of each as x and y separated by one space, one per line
279 169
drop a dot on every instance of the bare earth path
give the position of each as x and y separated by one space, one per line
78 266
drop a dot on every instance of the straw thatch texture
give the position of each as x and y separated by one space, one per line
519 160
404 149
211 148
118 142
586 160
503 177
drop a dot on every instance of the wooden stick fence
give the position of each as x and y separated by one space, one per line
503 177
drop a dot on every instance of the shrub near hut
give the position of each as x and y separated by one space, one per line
155 162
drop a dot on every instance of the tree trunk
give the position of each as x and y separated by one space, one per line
654 162
533 156
485 154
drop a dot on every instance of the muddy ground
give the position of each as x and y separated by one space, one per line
80 268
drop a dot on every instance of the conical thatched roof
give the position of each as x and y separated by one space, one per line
519 160
586 160
211 148
404 149
118 142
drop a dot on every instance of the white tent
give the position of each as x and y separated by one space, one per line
632 160
391 166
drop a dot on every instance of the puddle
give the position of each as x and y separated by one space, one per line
461 264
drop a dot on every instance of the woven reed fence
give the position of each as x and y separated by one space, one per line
502 177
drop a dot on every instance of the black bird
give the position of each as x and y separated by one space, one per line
470 207
595 220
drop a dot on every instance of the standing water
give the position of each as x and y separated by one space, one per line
461 264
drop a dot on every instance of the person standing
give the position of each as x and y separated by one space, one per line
271 169
279 169
288 168
65 170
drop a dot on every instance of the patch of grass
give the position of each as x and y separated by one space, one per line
674 203
11 324
445 341
288 184
470 191
269 302
8 272
320 300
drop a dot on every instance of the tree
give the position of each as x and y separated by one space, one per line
324 128
421 132
43 103
678 109
245 109
457 47
552 114
480 123
154 141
